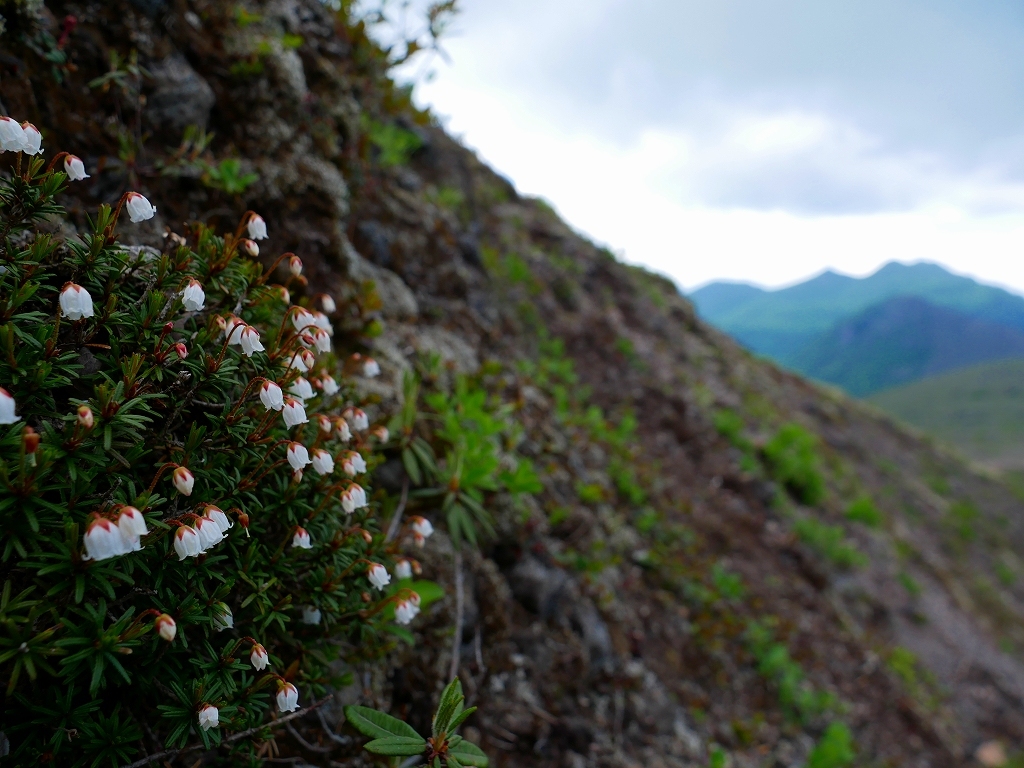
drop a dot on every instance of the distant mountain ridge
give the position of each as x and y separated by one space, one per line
780 323
898 325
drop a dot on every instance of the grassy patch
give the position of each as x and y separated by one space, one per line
829 541
792 458
864 511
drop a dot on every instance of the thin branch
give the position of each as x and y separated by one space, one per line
397 517
230 739
457 640
311 747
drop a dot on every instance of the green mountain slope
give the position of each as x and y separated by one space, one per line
979 410
780 323
902 340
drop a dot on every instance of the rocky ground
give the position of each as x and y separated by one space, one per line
613 621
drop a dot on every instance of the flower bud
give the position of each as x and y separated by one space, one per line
293 412
183 480
30 440
181 350
367 537
323 462
222 618
287 697
259 657
327 302
286 297
257 227
166 627
250 248
301 539
295 265
344 433
371 368
139 208
303 360
403 569
209 717
85 417
7 414
381 433
75 302
378 576
75 168
297 476
243 520
193 297
324 423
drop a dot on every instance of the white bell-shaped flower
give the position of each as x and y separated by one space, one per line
209 717
295 265
271 396
322 339
371 368
209 533
193 297
406 611
187 543
353 498
298 456
344 433
257 227
324 423
323 322
75 302
103 540
287 697
301 539
139 208
378 576
327 302
32 140
353 464
421 529
302 389
132 526
250 341
12 135
216 514
294 413
310 615
357 418
183 481
329 385
259 658
323 462
232 327
75 168
7 414
403 569
302 319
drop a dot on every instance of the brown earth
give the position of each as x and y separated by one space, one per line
597 630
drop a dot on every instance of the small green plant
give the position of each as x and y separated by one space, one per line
395 145
829 541
792 457
227 176
863 510
395 738
961 519
835 748
909 583
797 696
728 584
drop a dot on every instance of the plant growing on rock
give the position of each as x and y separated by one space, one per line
183 556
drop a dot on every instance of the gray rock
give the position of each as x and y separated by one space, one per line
180 96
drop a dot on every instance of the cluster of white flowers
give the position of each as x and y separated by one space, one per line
353 498
421 529
20 137
206 532
406 610
105 539
353 464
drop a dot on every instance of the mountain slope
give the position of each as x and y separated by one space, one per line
979 410
902 340
779 323
674 595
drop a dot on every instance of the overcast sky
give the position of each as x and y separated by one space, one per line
755 140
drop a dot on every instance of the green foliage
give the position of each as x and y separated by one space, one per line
730 425
395 738
829 541
107 412
227 176
863 510
792 458
797 696
960 521
395 145
834 749
728 584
